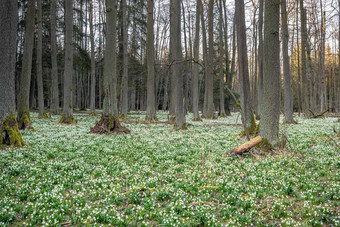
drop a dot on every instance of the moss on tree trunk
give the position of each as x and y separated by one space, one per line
9 133
24 121
68 120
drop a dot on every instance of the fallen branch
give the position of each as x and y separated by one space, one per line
335 143
246 146
318 115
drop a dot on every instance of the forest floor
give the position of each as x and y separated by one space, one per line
159 176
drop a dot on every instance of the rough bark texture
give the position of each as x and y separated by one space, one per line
67 116
195 74
246 102
93 63
176 52
9 132
221 58
25 76
260 59
288 98
173 60
42 113
151 100
125 88
109 122
270 109
304 95
205 59
210 74
54 70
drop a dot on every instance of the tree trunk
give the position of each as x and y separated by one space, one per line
246 102
229 74
24 121
67 116
9 132
210 70
151 100
176 53
195 73
304 97
93 63
221 54
205 60
270 115
109 122
260 60
288 104
125 85
39 65
54 72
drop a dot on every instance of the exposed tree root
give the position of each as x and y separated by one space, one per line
109 125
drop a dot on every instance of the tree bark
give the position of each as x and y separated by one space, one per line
176 52
288 99
39 64
54 72
304 97
246 101
221 58
151 100
125 85
195 74
24 121
93 63
270 115
9 132
260 59
67 115
210 70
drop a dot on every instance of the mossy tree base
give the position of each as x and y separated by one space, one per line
265 145
252 130
24 122
44 116
151 119
92 114
68 120
224 115
184 126
9 133
197 119
109 125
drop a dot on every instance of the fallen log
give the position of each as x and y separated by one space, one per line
246 146
317 115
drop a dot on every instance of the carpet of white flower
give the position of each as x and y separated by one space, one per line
163 177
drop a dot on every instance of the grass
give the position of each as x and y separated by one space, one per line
163 177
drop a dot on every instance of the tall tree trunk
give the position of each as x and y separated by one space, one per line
305 97
221 57
288 103
173 60
210 70
9 132
151 100
246 102
93 63
54 71
260 59
39 64
270 115
229 73
205 60
195 73
125 85
67 116
176 53
24 121
323 88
